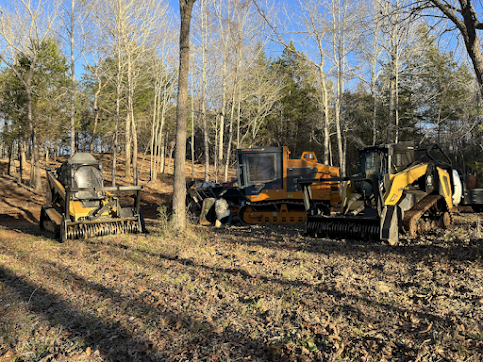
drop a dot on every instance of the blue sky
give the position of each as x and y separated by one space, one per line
290 4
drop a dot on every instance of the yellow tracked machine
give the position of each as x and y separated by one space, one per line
399 189
79 206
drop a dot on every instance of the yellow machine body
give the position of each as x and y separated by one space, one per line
399 188
79 206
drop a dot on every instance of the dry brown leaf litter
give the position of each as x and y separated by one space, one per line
241 293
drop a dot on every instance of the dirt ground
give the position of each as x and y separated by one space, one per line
239 293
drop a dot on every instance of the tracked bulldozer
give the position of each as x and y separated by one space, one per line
78 205
266 192
267 175
399 188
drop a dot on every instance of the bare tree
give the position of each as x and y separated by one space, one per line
392 25
400 43
22 32
261 91
342 39
148 20
179 192
317 29
371 48
165 81
73 21
338 28
225 52
241 41
73 81
203 30
127 28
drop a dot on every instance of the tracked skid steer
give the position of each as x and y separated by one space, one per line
399 188
78 205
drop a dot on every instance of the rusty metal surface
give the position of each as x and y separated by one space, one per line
411 218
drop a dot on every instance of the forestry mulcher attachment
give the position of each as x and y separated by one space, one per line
79 206
399 188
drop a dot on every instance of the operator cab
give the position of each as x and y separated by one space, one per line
260 168
82 171
377 162
386 159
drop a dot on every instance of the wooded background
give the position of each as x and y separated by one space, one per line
322 75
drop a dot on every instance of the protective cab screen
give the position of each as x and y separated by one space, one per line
261 168
401 160
88 177
373 163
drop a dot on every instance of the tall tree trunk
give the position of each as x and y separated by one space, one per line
161 136
325 106
21 159
162 157
224 40
129 120
374 112
179 189
36 177
154 131
392 108
230 133
11 167
116 131
204 82
205 140
47 156
222 113
192 136
134 151
215 156
393 86
339 136
72 66
96 116
326 132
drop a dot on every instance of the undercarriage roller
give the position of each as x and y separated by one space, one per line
359 229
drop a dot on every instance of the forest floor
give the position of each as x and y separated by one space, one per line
239 293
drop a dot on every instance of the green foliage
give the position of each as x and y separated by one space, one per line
292 122
442 86
48 89
12 109
50 92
